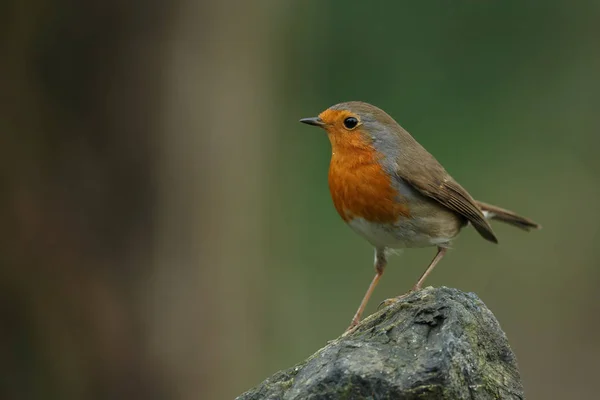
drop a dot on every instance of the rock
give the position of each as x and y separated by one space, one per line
434 344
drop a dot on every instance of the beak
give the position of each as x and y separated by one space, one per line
316 121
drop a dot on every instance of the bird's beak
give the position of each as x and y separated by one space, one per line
316 121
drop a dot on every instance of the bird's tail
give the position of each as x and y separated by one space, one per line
509 217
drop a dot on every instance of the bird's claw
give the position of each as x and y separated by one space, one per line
393 300
351 328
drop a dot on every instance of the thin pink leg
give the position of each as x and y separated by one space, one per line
380 263
440 254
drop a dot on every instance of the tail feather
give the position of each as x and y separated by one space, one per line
509 217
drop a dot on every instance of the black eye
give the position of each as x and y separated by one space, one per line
350 123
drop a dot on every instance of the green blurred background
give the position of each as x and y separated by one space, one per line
167 231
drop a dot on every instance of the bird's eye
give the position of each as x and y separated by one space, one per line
350 123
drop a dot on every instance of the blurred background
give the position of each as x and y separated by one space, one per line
166 228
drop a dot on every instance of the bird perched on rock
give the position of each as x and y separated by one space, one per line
392 192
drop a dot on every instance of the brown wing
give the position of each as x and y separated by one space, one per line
427 176
419 168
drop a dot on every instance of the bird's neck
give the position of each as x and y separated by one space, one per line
351 150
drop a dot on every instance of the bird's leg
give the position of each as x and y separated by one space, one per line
380 263
440 254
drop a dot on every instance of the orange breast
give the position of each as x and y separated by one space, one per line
358 184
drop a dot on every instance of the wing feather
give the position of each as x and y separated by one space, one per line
432 180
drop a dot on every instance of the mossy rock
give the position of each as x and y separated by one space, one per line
435 344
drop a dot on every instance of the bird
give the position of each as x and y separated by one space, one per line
391 191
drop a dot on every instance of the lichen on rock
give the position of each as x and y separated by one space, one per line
435 344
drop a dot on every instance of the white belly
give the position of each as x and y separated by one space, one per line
403 234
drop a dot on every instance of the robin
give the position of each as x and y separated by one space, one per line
393 193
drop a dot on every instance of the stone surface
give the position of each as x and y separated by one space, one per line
435 344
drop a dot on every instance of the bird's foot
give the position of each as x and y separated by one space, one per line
353 325
394 300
